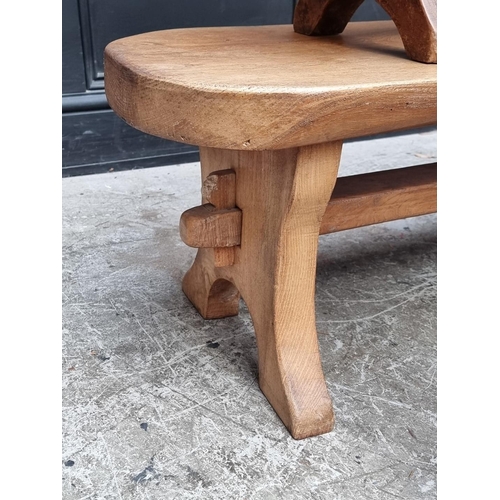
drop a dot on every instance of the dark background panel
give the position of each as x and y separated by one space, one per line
94 138
73 70
370 10
106 20
99 141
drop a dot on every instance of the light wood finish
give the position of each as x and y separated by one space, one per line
260 88
361 200
269 109
283 195
207 227
219 189
358 200
416 21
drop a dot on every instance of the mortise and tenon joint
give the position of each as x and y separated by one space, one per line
217 223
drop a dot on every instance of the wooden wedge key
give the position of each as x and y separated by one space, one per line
416 21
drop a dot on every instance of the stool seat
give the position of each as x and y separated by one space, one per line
267 87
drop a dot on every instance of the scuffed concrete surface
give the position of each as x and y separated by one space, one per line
160 404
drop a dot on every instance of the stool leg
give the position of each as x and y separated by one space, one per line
283 195
212 294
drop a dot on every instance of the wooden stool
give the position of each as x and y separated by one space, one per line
269 109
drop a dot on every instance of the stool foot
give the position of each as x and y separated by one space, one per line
213 296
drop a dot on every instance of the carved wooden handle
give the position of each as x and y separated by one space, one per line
416 21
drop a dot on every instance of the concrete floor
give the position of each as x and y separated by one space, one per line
160 404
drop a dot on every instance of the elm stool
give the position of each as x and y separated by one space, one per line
269 108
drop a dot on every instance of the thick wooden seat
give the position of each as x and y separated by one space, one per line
256 88
270 109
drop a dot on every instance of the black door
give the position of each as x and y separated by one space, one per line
94 138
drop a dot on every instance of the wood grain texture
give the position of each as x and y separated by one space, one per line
361 200
219 189
208 227
358 200
260 88
282 195
269 109
416 21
